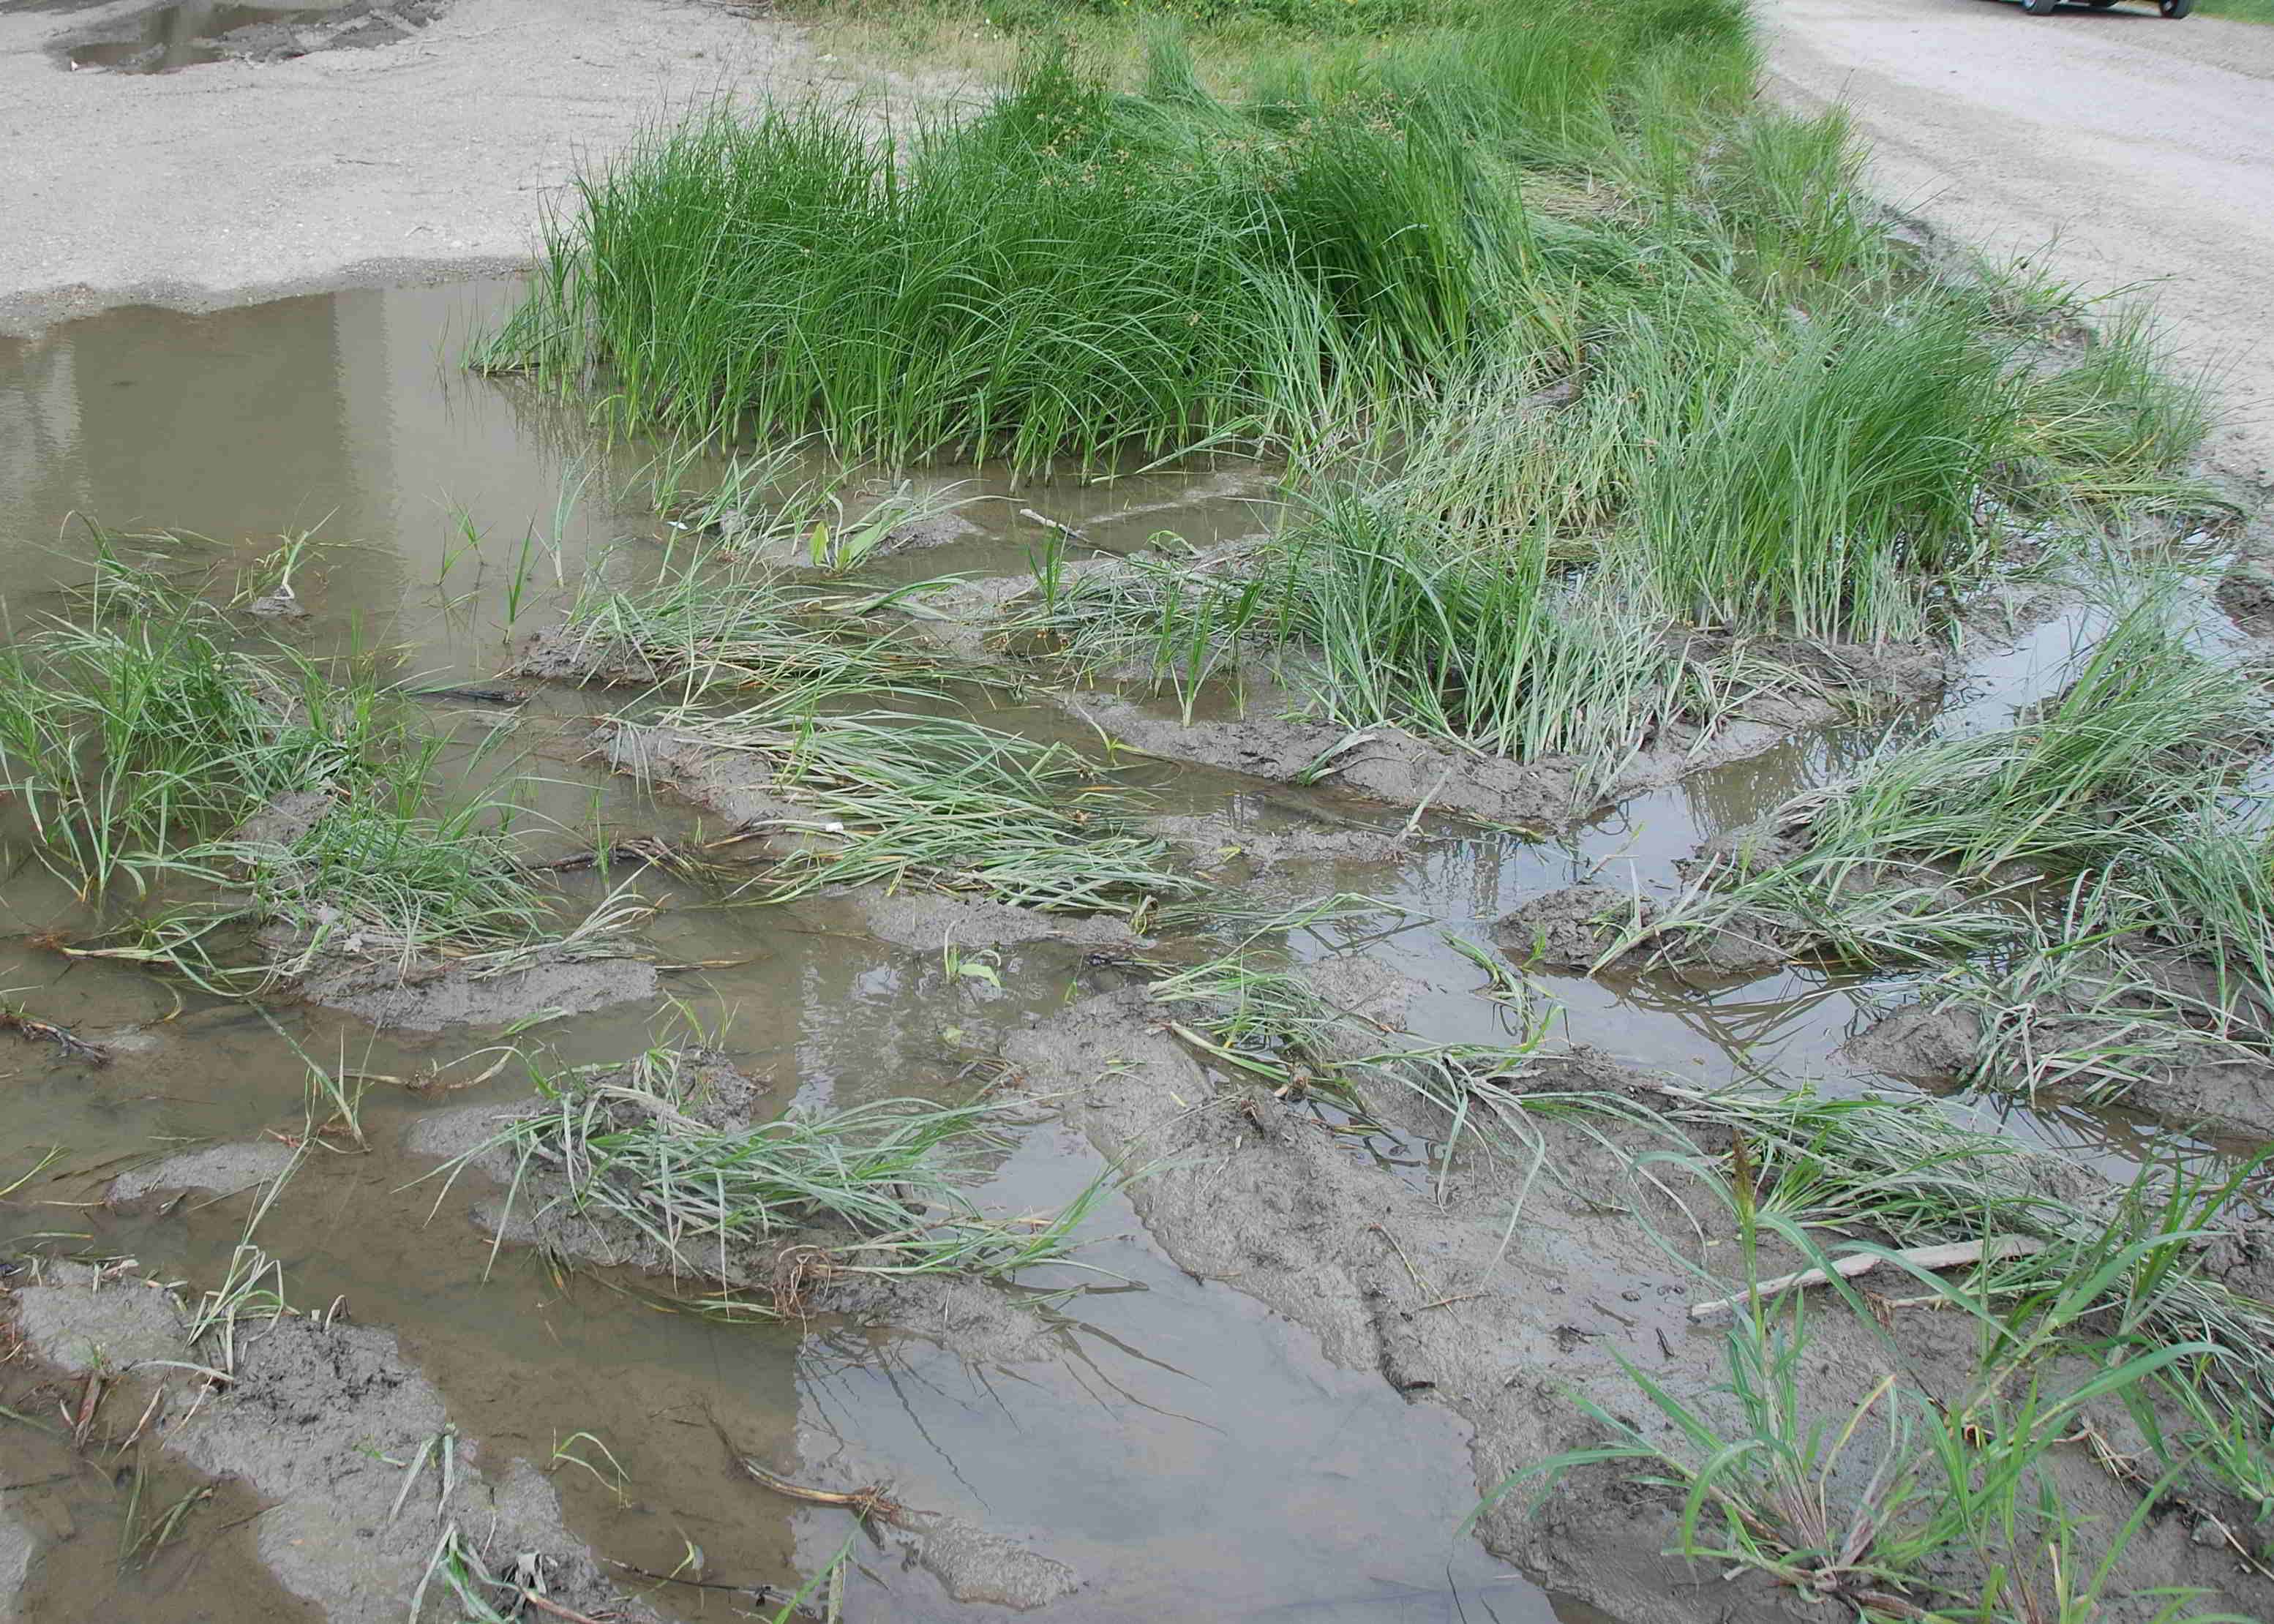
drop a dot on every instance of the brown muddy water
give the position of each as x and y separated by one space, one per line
1189 1453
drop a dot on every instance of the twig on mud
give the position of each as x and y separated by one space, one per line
1995 1249
864 1503
553 1607
1402 1258
1068 532
1447 1301
90 1401
640 848
13 1020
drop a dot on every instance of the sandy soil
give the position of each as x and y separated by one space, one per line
232 182
2112 148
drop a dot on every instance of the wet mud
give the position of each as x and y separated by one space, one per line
433 996
332 1427
1457 1303
1291 1338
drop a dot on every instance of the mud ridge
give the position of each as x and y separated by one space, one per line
431 996
322 1420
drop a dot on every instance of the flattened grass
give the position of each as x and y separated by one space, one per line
715 619
2104 777
943 802
788 1204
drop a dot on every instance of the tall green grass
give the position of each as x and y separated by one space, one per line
1077 272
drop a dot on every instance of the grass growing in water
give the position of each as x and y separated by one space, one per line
155 754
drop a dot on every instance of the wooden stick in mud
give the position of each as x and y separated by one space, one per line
40 1031
1951 1256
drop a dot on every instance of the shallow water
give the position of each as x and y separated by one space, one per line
1192 1455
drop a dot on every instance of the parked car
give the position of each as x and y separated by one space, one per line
2169 8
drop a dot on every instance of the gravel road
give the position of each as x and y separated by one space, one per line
227 182
2112 147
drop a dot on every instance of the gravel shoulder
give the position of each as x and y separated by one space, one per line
233 182
2110 147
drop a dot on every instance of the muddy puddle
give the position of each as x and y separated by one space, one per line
167 38
1186 1452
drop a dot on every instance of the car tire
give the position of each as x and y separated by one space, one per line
2039 8
2175 9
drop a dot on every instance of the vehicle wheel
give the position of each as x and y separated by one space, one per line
2042 8
2175 9
2100 5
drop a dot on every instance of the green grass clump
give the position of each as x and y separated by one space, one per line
154 755
969 288
1825 483
1388 617
1076 272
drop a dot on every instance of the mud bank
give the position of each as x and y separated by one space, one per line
1505 1323
433 995
369 1484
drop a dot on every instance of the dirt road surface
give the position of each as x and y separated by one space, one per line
2111 148
237 180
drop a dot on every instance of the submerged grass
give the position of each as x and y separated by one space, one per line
715 618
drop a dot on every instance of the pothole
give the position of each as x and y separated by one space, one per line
165 39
